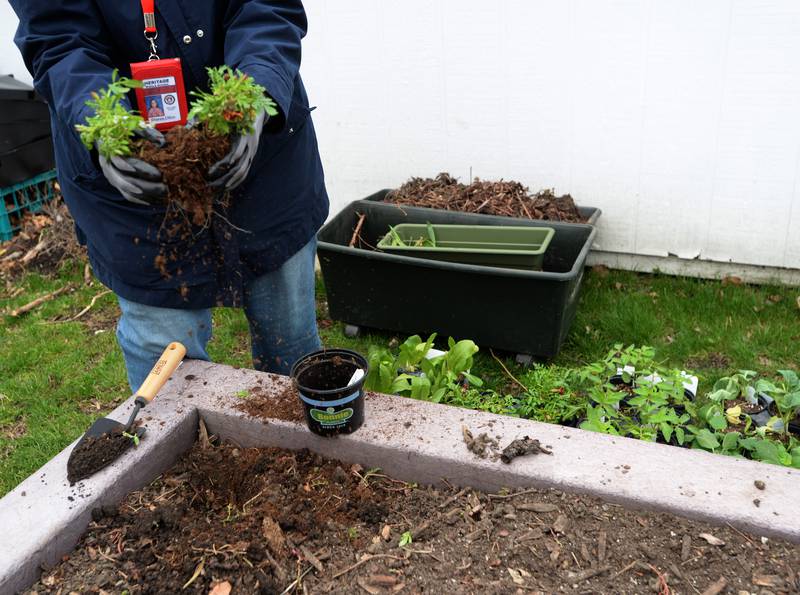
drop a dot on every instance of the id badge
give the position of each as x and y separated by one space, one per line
162 97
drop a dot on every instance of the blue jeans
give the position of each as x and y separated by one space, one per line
280 308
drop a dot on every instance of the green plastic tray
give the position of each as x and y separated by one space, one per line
484 245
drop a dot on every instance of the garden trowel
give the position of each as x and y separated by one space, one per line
107 439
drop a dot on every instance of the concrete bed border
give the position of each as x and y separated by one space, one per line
43 518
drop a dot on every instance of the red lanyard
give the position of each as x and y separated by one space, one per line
149 11
150 32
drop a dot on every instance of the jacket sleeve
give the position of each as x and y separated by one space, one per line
262 39
65 48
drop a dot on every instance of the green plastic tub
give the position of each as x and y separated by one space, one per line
484 245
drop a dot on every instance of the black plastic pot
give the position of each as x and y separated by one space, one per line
332 403
525 312
763 415
591 214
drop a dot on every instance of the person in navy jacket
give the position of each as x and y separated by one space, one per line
262 257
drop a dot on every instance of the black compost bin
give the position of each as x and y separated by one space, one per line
525 312
26 146
591 214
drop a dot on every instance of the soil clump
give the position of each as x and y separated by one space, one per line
281 403
184 162
94 453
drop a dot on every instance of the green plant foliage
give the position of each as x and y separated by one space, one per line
630 394
548 395
132 437
232 104
112 125
410 373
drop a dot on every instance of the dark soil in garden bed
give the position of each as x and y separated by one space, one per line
509 199
184 162
232 520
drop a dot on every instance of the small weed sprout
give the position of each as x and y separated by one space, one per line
133 437
243 394
405 539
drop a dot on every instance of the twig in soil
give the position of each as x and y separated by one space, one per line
506 370
452 499
626 569
296 581
197 572
34 252
40 300
740 533
357 231
364 560
514 495
250 501
590 573
312 559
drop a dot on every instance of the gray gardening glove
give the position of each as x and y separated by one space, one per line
232 169
137 181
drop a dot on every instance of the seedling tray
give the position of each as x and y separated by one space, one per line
525 312
486 245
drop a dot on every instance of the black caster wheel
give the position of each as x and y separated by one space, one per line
523 359
352 331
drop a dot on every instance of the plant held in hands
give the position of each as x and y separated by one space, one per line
112 126
233 103
183 158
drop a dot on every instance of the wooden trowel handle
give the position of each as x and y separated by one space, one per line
165 366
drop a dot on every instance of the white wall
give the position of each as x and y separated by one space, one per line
679 118
10 60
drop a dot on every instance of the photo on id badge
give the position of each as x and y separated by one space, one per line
161 100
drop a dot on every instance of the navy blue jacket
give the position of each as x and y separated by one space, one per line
71 48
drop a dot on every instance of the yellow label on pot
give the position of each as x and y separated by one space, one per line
331 417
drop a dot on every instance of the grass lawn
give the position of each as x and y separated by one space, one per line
56 377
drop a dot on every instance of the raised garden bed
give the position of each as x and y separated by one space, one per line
276 521
525 312
423 443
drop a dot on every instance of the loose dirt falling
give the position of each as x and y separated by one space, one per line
184 162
